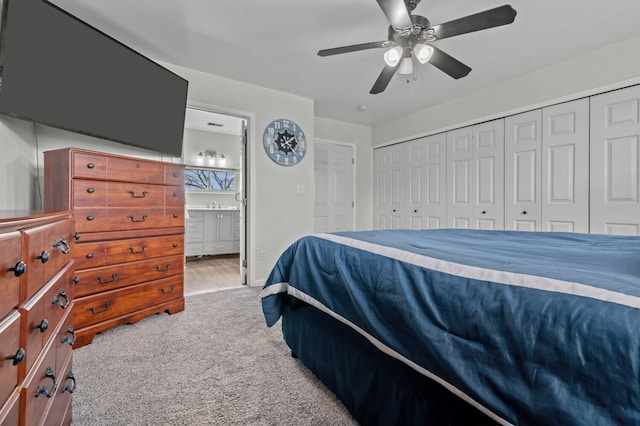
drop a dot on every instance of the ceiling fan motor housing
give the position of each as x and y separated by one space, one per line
409 37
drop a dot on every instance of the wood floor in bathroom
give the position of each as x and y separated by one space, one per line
211 273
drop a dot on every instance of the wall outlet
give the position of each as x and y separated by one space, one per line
263 255
300 189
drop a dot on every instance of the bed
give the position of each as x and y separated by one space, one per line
466 326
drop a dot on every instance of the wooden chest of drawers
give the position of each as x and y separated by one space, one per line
36 322
129 230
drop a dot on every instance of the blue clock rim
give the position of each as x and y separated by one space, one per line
273 156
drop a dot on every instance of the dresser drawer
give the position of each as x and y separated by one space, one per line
93 255
90 281
10 257
134 195
50 248
134 170
10 347
43 313
89 193
10 413
174 175
39 386
88 166
112 304
174 196
120 219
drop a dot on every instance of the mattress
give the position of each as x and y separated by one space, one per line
528 328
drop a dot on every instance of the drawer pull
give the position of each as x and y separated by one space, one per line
167 267
66 388
91 190
175 194
58 300
44 257
66 339
107 305
76 280
43 326
76 236
176 215
19 269
62 245
90 165
175 245
133 194
114 277
43 389
144 217
134 251
18 357
176 174
89 255
163 291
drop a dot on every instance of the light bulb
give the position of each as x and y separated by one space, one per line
406 66
393 56
423 52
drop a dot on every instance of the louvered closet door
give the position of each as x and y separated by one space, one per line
615 177
523 144
565 167
388 190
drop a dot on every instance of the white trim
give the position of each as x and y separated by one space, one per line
483 274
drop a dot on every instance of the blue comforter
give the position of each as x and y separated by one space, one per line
530 328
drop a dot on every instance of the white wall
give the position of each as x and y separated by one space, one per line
603 69
18 185
360 136
278 213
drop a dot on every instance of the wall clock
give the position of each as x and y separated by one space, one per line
285 142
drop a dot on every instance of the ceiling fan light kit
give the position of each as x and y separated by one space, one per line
411 35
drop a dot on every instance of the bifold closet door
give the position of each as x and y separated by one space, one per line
389 198
615 163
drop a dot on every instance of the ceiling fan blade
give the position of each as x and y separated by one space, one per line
448 64
354 48
502 15
397 13
383 79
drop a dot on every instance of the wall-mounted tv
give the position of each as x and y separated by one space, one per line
59 71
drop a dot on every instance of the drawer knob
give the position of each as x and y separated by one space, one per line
144 217
43 389
68 340
114 277
90 218
90 165
93 310
176 174
133 194
43 326
175 194
134 251
76 236
91 190
72 389
44 257
175 245
89 255
58 300
62 245
18 357
76 280
176 215
19 269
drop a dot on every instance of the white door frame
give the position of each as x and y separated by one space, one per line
355 164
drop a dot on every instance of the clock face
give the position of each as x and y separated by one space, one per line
285 142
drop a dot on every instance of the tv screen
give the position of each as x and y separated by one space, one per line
59 71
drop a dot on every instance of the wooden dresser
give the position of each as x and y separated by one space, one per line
129 231
36 324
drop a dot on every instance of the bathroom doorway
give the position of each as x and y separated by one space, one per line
215 158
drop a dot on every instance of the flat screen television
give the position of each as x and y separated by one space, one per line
59 71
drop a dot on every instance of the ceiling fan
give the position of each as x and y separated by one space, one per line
411 35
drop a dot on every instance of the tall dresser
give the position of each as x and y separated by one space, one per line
129 232
36 324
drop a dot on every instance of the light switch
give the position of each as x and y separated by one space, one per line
300 189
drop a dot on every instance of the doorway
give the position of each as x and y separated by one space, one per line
215 158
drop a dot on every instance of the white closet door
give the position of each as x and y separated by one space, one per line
488 174
413 178
435 183
565 167
334 204
388 189
615 177
523 145
460 191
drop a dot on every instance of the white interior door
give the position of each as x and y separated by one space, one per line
460 189
522 169
565 167
389 193
488 174
615 163
334 175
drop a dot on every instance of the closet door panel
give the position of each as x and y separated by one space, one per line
615 162
565 167
460 189
523 144
488 174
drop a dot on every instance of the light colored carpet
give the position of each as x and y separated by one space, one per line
216 363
